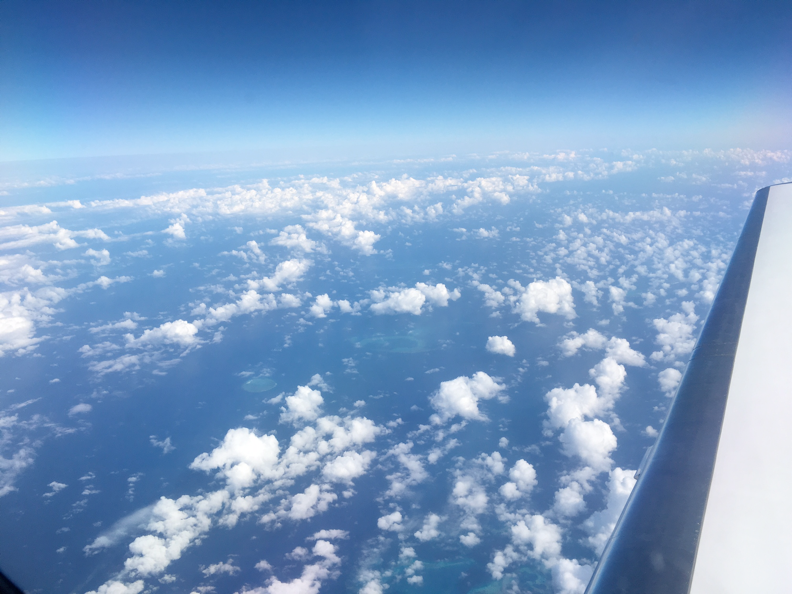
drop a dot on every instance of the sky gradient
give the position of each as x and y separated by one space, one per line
302 80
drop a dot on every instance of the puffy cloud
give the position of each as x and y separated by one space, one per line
543 537
312 501
470 539
106 282
253 253
56 487
501 560
617 349
179 332
372 586
24 269
570 577
574 341
429 529
411 301
591 293
461 396
347 307
493 462
487 234
98 258
302 406
343 230
396 302
17 237
509 491
321 306
492 298
129 322
411 463
353 433
650 431
573 403
122 363
617 296
498 189
469 495
569 500
523 480
346 468
286 273
553 296
609 376
669 380
21 310
180 523
591 441
242 458
390 521
675 334
16 334
176 230
79 409
294 238
248 303
11 467
500 345
224 567
312 576
166 445
438 294
601 523
410 572
331 534
116 587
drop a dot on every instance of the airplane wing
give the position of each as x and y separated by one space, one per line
7 586
711 512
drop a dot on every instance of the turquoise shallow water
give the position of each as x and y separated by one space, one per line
258 384
397 343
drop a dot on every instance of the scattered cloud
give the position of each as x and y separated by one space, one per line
461 396
500 345
553 296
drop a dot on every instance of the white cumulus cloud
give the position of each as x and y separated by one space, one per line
461 396
346 468
675 335
302 406
286 273
669 380
390 521
294 238
500 345
591 441
429 529
179 332
553 296
242 458
395 301
601 523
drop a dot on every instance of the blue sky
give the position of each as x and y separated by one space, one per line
296 80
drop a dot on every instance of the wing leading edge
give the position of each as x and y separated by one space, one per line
725 447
